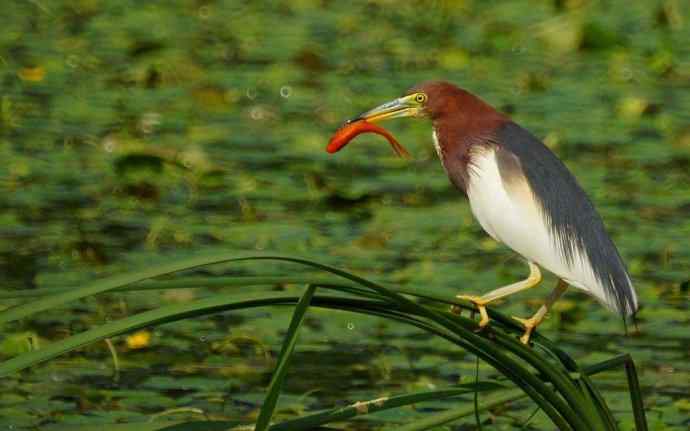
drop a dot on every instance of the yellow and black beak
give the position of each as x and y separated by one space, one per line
406 106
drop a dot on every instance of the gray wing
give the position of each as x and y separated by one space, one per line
570 214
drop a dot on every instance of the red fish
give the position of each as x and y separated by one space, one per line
351 130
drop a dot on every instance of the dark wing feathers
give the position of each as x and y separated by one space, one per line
570 213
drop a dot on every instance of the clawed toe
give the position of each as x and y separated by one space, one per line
472 298
529 325
480 303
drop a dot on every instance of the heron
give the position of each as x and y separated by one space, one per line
522 195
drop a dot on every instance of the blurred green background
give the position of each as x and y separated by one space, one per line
132 132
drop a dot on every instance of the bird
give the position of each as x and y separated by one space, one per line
522 195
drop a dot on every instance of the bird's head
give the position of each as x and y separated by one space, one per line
440 101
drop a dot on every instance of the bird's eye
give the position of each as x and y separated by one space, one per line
420 98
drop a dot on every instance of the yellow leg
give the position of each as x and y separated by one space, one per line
532 280
532 323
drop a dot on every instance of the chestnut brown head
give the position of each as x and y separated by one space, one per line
438 100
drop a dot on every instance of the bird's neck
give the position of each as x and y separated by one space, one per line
456 135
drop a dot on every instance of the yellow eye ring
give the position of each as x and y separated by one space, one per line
420 98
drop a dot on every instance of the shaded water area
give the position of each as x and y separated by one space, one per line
134 132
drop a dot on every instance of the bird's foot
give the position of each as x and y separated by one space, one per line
530 325
480 303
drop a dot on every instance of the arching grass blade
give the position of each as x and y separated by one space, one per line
283 360
449 416
373 406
